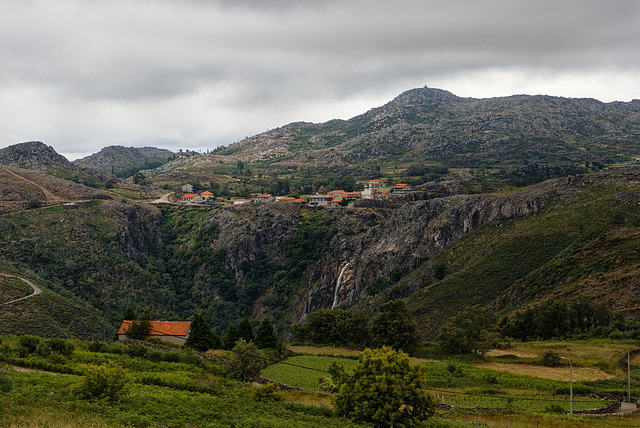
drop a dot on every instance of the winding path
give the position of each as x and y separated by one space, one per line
48 195
36 290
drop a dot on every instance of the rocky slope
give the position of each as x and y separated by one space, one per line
114 159
436 126
18 185
35 155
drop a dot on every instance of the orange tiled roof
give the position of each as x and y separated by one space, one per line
206 192
189 195
162 328
400 185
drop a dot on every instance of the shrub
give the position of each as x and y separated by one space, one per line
554 408
22 351
6 383
61 346
43 349
30 343
189 357
97 346
267 392
550 359
136 350
105 381
246 362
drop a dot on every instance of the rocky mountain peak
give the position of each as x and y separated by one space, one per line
34 155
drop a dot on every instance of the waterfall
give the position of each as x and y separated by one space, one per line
335 296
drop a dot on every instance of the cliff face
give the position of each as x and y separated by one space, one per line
402 239
374 241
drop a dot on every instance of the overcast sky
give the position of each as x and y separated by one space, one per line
195 74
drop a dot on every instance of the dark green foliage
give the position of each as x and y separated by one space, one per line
550 359
416 170
29 343
472 330
139 330
33 203
104 381
246 362
245 330
231 337
440 271
201 337
6 383
129 314
395 327
267 392
559 318
383 389
266 335
136 350
335 326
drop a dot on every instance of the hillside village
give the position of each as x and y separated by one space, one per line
374 189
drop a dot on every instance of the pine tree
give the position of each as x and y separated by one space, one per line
231 337
139 330
129 314
201 337
266 336
245 331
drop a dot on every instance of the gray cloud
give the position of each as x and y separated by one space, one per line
80 75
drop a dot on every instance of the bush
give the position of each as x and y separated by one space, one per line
267 392
550 359
105 381
61 346
136 350
246 362
6 383
30 343
43 349
22 351
97 346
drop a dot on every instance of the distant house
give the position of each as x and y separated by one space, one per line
402 188
284 199
376 183
187 188
170 331
206 195
241 201
320 200
189 197
263 198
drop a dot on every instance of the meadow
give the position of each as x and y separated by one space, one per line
179 389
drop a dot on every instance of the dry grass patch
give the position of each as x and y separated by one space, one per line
553 373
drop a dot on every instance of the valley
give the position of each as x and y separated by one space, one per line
527 208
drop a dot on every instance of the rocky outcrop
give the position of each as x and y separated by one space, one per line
34 155
433 125
116 158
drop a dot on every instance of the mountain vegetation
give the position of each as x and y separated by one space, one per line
469 236
125 162
524 224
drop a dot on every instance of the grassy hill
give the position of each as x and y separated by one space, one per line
584 245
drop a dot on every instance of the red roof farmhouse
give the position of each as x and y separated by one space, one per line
171 331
